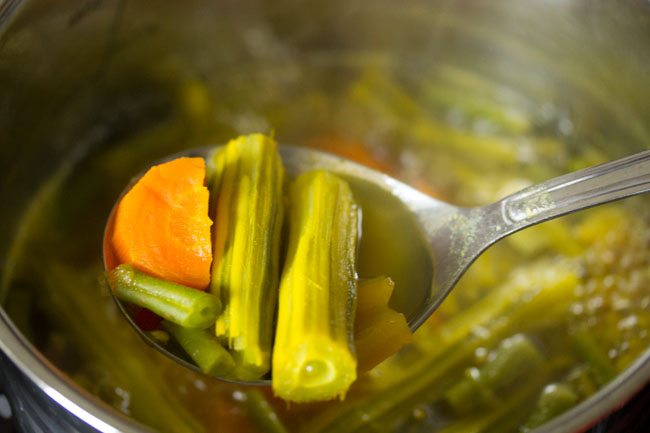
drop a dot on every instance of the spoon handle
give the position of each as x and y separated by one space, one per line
459 235
575 191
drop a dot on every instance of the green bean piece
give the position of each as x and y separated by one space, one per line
582 381
204 348
260 411
185 306
509 413
555 399
313 357
588 349
245 178
516 357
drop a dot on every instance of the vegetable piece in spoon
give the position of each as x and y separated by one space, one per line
161 226
314 354
313 357
379 331
247 193
185 306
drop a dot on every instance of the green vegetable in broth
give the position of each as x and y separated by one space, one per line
515 359
555 399
587 348
262 413
204 348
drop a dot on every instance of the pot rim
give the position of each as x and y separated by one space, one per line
53 382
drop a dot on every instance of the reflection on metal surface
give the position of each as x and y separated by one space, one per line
7 10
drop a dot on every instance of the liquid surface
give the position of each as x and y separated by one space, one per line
573 287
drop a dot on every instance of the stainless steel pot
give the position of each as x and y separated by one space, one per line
75 75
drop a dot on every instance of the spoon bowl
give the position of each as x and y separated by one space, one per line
443 238
384 214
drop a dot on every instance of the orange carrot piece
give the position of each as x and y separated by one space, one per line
161 226
379 331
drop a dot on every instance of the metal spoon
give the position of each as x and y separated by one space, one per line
455 236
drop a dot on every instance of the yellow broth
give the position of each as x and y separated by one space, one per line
582 276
